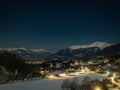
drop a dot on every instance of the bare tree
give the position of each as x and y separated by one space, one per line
74 84
86 84
66 84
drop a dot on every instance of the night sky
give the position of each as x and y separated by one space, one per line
58 24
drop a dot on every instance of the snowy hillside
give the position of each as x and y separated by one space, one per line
47 84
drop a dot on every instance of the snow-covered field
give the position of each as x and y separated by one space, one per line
34 85
46 84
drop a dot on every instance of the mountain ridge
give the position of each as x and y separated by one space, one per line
23 48
29 54
82 52
88 52
100 45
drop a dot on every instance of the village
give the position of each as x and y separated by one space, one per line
74 68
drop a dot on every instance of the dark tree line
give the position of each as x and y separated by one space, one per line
12 63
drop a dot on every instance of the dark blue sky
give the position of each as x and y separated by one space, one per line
58 24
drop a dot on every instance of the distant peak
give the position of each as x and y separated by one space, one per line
100 45
39 50
23 48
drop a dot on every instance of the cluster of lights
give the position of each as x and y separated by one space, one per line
62 75
50 76
97 88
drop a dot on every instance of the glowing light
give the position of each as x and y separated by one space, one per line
97 88
114 75
112 79
82 71
62 75
114 82
50 76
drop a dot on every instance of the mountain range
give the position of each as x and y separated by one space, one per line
95 50
100 45
79 52
29 54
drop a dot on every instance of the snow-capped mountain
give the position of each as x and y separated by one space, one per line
29 54
100 45
79 51
76 54
34 50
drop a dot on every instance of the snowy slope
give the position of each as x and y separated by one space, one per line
46 84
